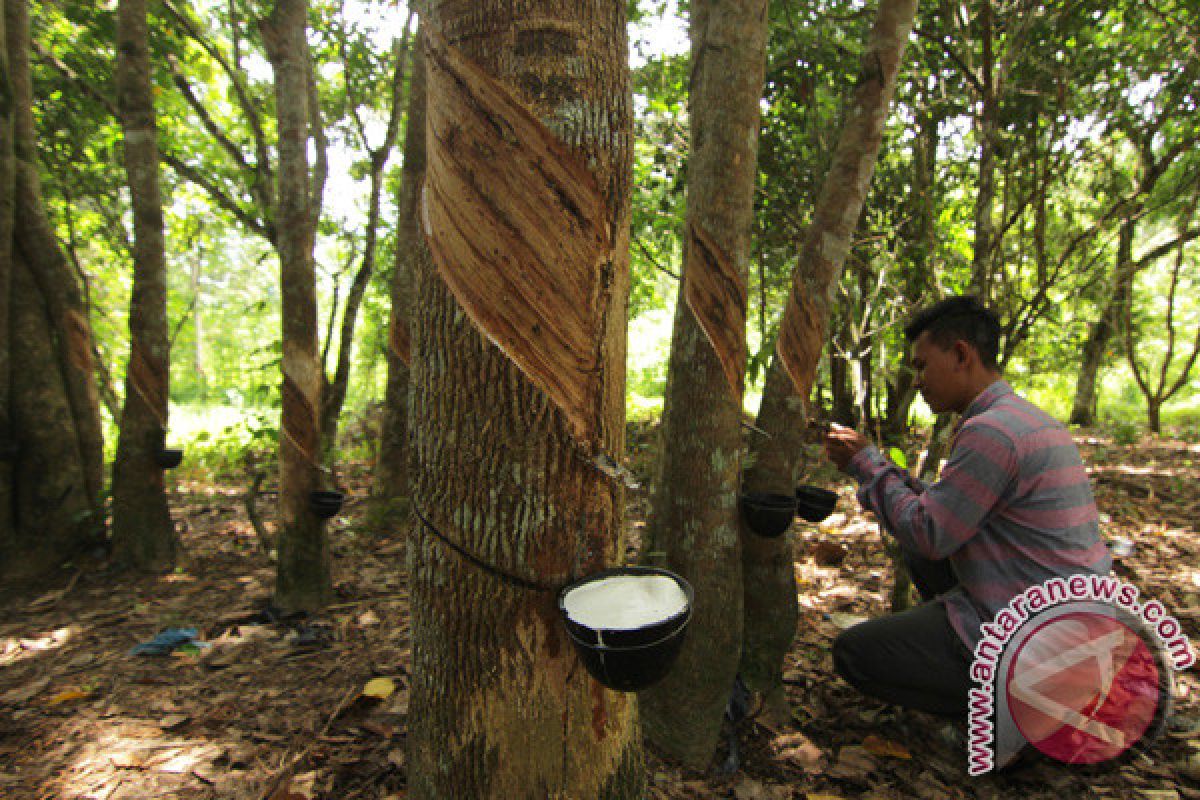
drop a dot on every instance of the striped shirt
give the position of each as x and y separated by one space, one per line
1011 509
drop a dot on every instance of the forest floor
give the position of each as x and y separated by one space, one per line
276 710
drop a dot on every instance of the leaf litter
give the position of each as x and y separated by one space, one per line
270 711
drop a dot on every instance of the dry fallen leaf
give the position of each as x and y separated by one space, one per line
68 696
379 688
884 747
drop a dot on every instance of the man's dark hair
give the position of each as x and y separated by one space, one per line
962 317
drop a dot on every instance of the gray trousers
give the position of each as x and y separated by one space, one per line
915 658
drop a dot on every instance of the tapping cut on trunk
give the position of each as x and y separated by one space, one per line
518 230
801 339
715 291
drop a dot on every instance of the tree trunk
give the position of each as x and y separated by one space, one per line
505 468
201 363
695 514
841 398
770 604
7 201
303 581
389 494
1102 331
53 445
55 280
334 397
987 126
142 531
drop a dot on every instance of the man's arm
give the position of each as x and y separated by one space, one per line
979 477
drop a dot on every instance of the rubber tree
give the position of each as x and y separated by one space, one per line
303 579
693 524
51 446
143 534
770 596
517 412
389 492
333 395
7 203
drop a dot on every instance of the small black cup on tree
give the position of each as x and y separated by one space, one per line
767 514
814 504
325 503
169 457
629 659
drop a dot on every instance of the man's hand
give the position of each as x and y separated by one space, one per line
842 444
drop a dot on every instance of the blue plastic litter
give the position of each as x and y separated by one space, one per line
166 641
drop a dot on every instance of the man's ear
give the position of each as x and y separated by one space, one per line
964 353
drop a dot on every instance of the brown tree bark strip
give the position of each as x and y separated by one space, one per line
501 707
694 518
303 580
715 290
391 485
771 607
143 533
518 229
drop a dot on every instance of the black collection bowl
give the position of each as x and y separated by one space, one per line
325 503
767 514
628 659
814 503
168 457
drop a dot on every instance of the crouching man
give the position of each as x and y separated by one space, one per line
1011 509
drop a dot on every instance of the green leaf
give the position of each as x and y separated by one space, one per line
897 456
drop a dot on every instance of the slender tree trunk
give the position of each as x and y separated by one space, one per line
841 398
770 605
390 490
303 580
987 126
143 533
201 363
505 470
7 200
53 449
695 514
1102 331
334 397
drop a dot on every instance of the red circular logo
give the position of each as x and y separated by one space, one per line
1083 688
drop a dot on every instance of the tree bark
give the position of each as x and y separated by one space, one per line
1102 331
334 396
142 531
7 203
53 445
770 604
500 705
59 287
987 127
389 494
303 580
694 519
